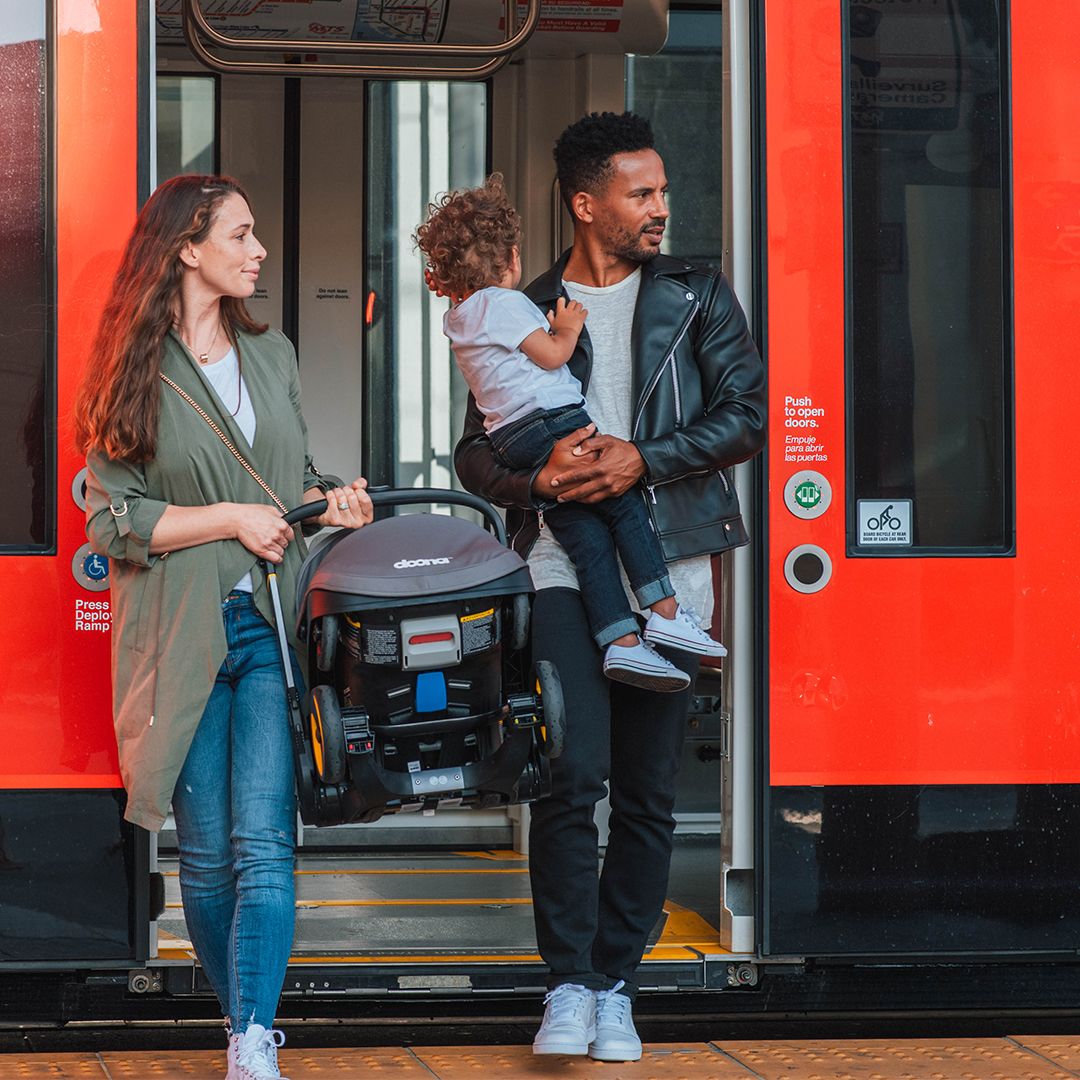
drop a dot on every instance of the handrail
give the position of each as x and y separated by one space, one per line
194 20
375 48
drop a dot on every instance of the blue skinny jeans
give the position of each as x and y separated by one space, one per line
235 810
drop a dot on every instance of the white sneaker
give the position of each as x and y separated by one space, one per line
641 665
569 1024
616 1037
253 1055
683 632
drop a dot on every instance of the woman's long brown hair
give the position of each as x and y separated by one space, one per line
117 408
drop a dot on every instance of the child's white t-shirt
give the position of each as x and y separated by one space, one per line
486 331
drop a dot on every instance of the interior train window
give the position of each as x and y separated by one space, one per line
186 125
423 138
27 371
679 90
929 342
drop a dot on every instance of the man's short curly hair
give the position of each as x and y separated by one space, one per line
469 237
584 150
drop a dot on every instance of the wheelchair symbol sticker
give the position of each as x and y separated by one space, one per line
90 569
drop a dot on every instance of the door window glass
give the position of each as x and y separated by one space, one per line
424 138
928 354
186 125
27 405
679 91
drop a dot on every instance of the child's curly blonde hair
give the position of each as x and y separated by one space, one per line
469 237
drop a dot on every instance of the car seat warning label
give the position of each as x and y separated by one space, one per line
478 632
380 645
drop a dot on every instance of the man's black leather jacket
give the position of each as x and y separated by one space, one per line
699 407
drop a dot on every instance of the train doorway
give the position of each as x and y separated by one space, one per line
341 170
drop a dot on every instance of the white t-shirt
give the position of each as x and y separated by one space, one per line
610 404
230 389
485 331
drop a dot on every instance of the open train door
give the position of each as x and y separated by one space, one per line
923 728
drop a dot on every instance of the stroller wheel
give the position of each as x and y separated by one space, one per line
519 622
327 734
553 710
327 642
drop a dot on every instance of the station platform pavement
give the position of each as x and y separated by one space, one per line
1017 1057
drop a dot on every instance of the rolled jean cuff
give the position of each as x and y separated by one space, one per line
654 591
616 630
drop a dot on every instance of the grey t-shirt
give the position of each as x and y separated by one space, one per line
609 402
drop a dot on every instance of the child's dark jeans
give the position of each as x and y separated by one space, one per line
591 533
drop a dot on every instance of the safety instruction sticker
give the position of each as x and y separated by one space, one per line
575 16
380 645
479 632
884 522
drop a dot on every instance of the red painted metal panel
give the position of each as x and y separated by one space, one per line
924 670
55 723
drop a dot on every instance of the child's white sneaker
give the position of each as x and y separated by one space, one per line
641 665
683 632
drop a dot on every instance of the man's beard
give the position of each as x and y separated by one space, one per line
631 246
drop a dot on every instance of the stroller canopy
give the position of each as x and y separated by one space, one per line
409 559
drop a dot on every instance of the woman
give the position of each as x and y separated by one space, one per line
198 694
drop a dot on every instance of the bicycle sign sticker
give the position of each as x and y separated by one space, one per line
884 521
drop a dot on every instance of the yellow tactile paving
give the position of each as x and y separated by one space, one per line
1063 1050
54 1066
165 1065
345 1064
886 1059
660 1062
1038 1057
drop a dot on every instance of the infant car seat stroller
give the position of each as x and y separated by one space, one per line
422 691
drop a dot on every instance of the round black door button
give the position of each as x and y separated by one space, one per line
808 568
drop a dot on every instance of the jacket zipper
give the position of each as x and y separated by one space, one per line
651 488
678 392
670 359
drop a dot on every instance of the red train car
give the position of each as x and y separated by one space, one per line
891 752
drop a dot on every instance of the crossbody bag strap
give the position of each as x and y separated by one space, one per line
225 439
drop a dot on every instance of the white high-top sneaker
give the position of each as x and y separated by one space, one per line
253 1055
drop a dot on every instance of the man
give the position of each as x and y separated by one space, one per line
676 388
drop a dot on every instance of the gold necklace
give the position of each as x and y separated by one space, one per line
204 357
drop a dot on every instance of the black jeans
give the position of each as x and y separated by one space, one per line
593 930
591 533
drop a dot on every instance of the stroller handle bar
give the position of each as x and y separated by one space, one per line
382 496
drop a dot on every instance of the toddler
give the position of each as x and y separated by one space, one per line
514 359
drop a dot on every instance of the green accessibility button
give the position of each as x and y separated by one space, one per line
807 494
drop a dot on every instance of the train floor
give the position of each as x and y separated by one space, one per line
448 907
1016 1057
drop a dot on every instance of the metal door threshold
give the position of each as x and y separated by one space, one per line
430 922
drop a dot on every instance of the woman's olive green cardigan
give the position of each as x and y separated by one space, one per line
168 635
